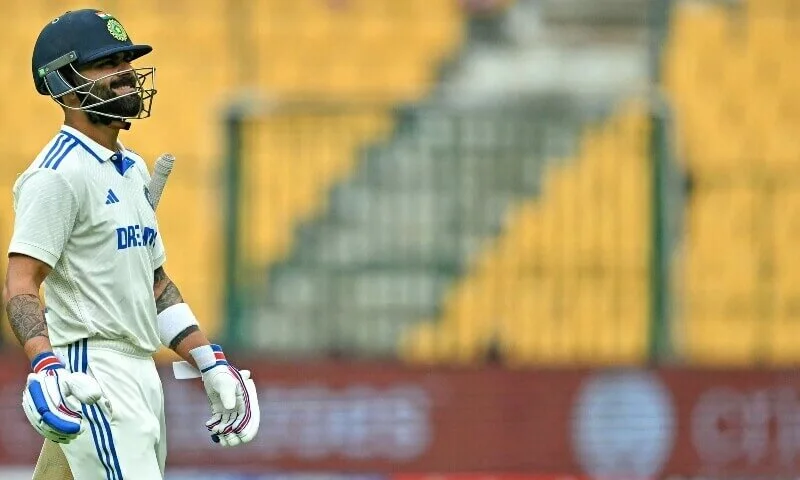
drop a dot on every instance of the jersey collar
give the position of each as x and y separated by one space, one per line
98 151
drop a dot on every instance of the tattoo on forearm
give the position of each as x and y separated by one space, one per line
169 294
182 336
26 316
159 275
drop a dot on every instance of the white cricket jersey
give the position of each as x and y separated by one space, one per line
83 209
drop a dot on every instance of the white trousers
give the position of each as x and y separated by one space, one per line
133 443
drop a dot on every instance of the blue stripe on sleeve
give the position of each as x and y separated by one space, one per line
64 155
54 150
85 147
56 154
55 144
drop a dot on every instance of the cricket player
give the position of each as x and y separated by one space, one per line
86 230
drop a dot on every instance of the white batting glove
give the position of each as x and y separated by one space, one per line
235 415
53 396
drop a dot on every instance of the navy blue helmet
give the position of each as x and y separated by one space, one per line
78 38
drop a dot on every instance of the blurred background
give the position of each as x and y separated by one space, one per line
467 239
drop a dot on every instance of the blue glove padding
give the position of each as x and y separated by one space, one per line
53 396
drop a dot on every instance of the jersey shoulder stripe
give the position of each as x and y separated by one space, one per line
64 155
54 160
57 144
85 147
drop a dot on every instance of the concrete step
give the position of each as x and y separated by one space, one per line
416 292
371 206
336 246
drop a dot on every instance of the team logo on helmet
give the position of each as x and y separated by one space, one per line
116 30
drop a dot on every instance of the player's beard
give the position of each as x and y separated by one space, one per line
126 105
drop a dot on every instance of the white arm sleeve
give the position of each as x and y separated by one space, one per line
46 208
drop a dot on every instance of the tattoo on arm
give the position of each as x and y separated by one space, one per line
181 336
159 275
26 316
167 294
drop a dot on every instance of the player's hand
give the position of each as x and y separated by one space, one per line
235 415
53 396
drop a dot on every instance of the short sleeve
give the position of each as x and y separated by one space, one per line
159 253
141 167
46 208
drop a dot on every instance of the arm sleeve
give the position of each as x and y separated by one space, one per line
46 208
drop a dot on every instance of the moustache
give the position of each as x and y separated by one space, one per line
124 81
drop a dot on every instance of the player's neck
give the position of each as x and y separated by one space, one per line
105 135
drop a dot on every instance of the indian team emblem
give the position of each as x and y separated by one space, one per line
116 30
148 197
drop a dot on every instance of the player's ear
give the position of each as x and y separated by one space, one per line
70 105
71 78
71 100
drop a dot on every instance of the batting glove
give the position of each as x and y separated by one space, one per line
53 396
235 415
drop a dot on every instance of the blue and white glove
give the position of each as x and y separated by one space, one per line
235 415
53 396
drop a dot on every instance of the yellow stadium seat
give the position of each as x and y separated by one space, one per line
558 286
294 160
321 51
738 114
